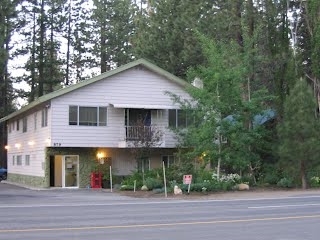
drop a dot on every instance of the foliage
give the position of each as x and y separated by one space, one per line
298 133
315 181
153 183
136 177
110 38
225 109
285 183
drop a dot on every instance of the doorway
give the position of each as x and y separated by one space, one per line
70 171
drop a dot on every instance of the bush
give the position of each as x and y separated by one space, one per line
285 183
153 183
315 182
129 180
127 187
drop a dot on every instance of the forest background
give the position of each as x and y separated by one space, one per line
253 57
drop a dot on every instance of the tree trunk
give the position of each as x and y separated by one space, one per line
303 175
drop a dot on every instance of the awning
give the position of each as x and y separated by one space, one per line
143 106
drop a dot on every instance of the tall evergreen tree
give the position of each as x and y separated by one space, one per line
299 133
112 27
166 33
8 14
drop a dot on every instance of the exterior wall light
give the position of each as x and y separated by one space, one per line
17 145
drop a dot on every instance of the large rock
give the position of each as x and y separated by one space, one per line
177 190
242 186
144 188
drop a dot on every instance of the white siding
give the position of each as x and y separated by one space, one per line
32 142
135 86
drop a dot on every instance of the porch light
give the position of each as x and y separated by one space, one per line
17 145
100 156
31 143
7 147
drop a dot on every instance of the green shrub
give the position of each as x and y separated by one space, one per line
153 183
129 180
315 181
126 187
285 183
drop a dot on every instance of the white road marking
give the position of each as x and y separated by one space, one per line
286 206
165 201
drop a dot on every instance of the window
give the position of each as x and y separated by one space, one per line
143 165
179 118
19 160
73 115
44 117
18 123
24 124
35 121
27 160
13 160
87 116
168 160
9 128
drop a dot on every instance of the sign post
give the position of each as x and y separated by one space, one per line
187 179
164 180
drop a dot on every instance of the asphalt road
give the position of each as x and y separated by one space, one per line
89 215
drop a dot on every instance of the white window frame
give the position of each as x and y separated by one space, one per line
44 117
27 160
35 116
24 124
98 123
19 160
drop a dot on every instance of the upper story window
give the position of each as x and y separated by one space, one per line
179 118
168 160
87 116
44 117
18 125
24 124
35 121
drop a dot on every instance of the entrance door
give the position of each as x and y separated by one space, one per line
70 171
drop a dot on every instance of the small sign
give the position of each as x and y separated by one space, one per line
187 179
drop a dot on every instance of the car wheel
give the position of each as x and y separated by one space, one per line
4 177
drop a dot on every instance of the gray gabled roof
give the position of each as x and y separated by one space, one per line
76 86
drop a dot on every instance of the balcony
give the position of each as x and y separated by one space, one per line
141 136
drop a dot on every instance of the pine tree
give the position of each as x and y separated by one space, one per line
299 133
112 26
8 19
165 33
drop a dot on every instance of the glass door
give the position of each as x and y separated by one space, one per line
70 171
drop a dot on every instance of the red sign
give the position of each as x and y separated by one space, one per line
187 179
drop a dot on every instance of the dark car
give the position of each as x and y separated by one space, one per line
3 174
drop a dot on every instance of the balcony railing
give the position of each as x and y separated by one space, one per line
142 135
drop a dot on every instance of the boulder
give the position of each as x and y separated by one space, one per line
144 188
177 190
242 186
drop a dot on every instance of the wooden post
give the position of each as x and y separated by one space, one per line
110 179
164 180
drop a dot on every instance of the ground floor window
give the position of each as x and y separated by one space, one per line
143 165
168 160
